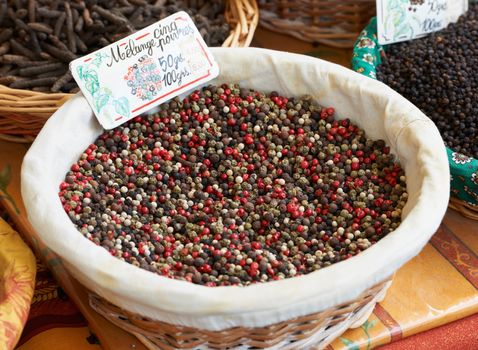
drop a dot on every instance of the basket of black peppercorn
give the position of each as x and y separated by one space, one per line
438 74
38 39
268 209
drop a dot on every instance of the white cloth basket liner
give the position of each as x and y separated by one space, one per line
375 107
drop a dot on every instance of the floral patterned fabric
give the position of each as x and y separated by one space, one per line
367 55
17 280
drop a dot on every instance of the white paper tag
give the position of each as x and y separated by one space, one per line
401 20
145 69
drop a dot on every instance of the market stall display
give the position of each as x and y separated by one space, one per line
39 39
273 308
437 74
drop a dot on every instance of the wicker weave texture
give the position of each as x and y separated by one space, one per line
23 113
313 331
465 209
332 22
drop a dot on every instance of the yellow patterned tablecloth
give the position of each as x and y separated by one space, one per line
17 280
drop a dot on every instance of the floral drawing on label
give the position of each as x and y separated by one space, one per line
144 78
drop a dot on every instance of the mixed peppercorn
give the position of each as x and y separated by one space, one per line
438 74
231 186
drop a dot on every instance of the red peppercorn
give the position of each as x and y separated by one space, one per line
233 109
248 140
256 245
206 268
359 212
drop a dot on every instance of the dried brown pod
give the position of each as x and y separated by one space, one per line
4 48
62 55
57 42
87 18
40 27
69 28
67 77
30 83
35 43
31 10
3 10
21 49
59 24
29 71
47 13
5 35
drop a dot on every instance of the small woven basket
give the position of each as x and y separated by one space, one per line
314 331
331 22
465 209
23 112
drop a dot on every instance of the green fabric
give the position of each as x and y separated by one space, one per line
464 177
367 55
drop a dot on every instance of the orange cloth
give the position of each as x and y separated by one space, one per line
458 335
60 338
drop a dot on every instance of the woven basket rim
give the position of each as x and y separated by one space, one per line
464 208
320 328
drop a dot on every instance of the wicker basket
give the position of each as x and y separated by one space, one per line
465 209
23 112
332 22
313 331
295 313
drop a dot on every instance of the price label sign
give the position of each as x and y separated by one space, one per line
145 69
401 20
